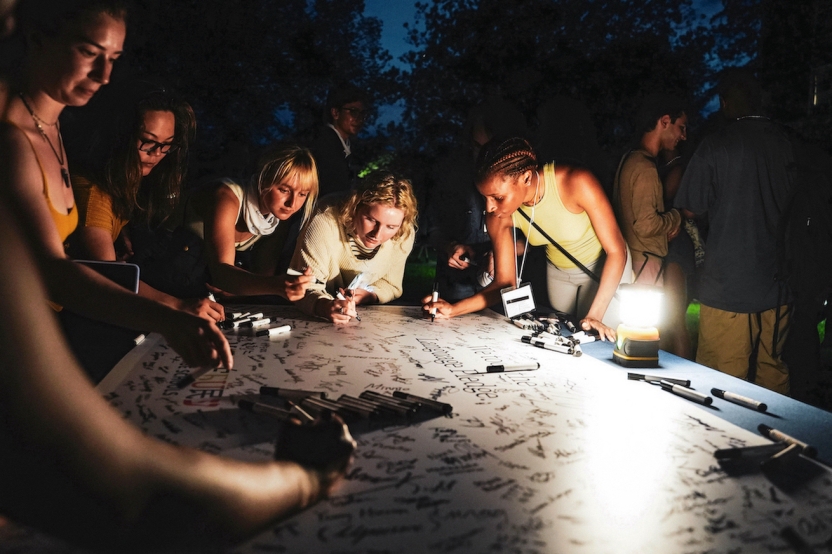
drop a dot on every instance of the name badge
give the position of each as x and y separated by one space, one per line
517 300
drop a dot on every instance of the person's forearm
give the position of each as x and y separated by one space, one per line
146 291
648 220
610 277
84 291
231 497
235 280
309 304
480 301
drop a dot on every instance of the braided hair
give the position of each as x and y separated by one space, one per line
509 157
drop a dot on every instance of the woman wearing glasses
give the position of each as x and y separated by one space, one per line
139 182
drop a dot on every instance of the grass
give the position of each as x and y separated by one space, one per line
419 273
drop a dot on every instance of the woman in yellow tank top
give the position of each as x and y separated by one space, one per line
70 48
570 206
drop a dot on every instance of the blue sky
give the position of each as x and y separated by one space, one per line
394 14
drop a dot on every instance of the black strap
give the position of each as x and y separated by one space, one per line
662 267
562 249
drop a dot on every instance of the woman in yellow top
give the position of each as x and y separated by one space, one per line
139 183
70 49
568 205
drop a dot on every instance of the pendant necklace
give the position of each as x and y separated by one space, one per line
39 123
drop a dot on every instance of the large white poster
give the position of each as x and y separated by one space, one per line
571 457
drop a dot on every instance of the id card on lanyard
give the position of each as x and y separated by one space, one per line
517 300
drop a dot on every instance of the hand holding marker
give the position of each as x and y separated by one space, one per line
434 297
360 281
340 296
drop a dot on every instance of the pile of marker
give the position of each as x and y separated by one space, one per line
256 322
546 333
770 456
306 405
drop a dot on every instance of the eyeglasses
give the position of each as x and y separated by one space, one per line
356 113
150 146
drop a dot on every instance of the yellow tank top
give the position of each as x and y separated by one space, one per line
573 232
65 223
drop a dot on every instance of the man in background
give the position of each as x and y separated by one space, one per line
740 177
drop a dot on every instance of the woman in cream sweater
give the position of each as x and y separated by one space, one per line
369 234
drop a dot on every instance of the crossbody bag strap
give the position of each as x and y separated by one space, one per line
563 251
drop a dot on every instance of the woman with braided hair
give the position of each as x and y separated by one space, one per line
549 204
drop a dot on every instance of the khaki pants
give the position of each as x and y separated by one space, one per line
726 342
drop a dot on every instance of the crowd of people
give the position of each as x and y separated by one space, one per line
304 228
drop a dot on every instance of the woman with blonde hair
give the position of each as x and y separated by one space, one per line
232 217
368 238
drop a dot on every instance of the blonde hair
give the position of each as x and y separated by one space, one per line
382 188
280 162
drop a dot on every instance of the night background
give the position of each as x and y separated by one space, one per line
259 70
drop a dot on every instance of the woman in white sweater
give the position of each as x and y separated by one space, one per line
370 233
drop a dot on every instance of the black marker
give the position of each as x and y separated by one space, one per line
298 410
433 298
443 407
657 378
741 400
388 402
266 410
466 259
296 273
582 337
251 324
290 394
401 401
379 407
512 367
749 451
340 296
366 410
187 380
274 331
685 392
321 405
554 346
780 436
783 457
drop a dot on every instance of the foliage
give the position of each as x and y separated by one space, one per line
606 53
259 70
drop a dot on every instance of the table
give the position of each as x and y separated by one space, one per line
573 457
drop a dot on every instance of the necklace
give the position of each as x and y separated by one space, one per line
39 123
751 117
